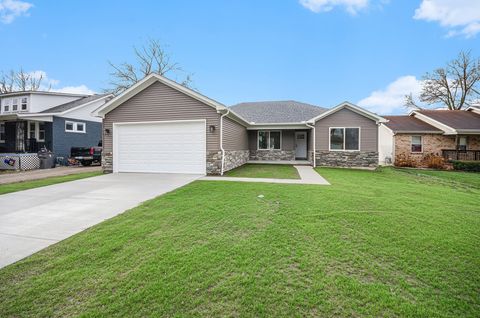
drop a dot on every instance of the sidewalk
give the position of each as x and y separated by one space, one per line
307 176
11 177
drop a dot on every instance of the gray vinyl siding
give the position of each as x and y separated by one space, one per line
235 136
159 102
63 141
347 118
288 139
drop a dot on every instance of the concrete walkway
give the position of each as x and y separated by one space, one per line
33 219
11 177
307 176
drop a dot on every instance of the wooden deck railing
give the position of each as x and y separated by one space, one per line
453 154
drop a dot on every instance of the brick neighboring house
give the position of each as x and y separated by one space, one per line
452 134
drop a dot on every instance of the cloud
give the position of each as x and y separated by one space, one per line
11 9
81 89
53 84
460 17
352 6
392 98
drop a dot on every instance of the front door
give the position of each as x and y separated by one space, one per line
301 145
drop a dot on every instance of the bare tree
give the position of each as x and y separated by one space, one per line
455 86
14 81
150 58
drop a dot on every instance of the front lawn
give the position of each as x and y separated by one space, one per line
461 178
374 243
264 171
25 185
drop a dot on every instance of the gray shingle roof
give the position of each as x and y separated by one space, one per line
64 107
273 112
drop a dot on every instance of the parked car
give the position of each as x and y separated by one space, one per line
87 155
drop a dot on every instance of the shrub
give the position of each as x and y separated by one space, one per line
404 160
473 166
434 161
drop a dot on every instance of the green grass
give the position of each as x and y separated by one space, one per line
264 171
374 243
456 178
25 185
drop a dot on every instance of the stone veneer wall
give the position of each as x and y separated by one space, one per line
214 162
107 162
272 155
235 158
347 158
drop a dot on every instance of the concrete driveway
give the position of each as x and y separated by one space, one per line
34 219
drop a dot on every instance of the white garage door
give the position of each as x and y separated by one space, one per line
171 147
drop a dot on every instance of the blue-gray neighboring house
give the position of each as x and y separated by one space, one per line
32 120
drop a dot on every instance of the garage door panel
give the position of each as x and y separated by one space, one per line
160 147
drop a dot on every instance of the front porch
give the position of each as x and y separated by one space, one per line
22 136
464 155
280 146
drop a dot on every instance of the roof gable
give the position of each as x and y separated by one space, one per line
352 107
146 82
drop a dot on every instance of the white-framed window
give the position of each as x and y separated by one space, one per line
41 131
36 130
2 133
75 126
462 143
14 104
24 103
344 139
416 144
269 140
6 105
32 130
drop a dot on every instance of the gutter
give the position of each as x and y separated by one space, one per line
221 140
314 150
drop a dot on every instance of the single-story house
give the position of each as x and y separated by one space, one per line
158 125
453 134
32 120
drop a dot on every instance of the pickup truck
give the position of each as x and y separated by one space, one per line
86 155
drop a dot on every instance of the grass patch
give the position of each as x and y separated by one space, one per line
264 171
25 185
374 243
452 178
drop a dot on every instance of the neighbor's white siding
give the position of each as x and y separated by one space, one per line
39 102
385 146
85 113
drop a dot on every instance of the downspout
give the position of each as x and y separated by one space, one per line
221 140
314 150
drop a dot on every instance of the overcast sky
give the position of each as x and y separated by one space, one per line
323 52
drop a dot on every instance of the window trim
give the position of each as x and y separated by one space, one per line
6 103
411 143
14 104
75 129
36 132
268 139
458 143
22 103
345 150
2 141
